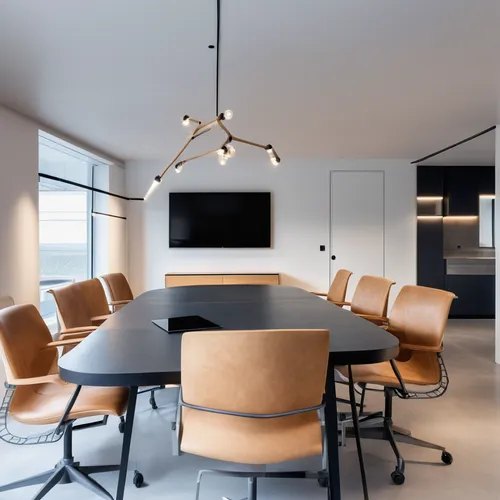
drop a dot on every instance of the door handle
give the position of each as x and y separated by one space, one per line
334 257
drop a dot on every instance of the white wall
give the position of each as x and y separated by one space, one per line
110 234
19 255
18 208
301 202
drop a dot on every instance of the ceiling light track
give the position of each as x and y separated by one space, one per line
475 136
226 151
89 188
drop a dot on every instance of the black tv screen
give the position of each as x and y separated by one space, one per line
220 220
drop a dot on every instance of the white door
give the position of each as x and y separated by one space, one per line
357 224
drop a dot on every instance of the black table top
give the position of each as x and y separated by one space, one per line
129 350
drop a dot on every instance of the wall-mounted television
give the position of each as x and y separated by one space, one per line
220 220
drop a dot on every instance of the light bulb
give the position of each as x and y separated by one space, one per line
222 160
154 185
185 120
230 150
275 159
228 114
222 151
178 168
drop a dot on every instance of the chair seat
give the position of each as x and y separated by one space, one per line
45 403
249 440
421 369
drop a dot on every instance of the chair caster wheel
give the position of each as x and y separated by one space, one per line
398 477
138 479
446 458
121 427
323 482
153 404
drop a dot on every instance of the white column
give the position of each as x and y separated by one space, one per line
497 251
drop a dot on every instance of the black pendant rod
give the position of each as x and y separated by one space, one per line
217 62
90 188
92 256
104 214
475 136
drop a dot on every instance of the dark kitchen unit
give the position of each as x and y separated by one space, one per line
455 236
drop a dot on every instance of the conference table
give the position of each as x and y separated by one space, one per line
128 350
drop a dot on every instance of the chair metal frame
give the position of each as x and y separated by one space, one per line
5 435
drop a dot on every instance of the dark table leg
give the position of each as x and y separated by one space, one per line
127 438
332 439
355 423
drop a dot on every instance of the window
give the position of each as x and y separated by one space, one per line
65 222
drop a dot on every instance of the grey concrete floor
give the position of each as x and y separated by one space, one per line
465 420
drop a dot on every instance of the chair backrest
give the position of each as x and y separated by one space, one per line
71 307
95 297
79 302
23 340
371 296
419 315
338 288
260 371
6 301
117 286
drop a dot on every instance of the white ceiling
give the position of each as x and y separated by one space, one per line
342 78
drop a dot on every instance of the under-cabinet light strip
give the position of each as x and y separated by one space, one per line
461 217
429 198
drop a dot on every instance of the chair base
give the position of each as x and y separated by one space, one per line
66 471
152 399
253 476
379 426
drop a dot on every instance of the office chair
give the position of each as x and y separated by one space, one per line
6 301
118 288
81 307
418 318
338 288
371 298
232 412
37 396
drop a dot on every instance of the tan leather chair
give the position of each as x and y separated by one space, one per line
6 301
37 396
95 300
371 298
81 307
418 318
338 288
252 396
119 292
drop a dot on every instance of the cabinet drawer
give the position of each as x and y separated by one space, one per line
212 279
251 279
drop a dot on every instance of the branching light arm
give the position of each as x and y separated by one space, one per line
179 165
244 141
225 152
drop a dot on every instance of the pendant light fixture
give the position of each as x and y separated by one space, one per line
226 150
